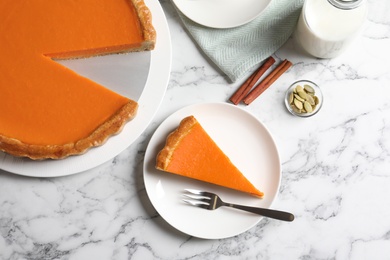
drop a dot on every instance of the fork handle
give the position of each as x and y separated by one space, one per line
270 213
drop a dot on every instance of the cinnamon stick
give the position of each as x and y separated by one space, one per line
271 78
251 81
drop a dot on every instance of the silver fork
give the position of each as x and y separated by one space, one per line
211 201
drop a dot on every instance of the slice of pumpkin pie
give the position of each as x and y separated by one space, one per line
189 151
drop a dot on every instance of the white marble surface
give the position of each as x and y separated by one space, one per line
335 165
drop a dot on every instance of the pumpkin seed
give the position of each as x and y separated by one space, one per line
291 98
299 88
296 110
302 94
316 100
309 88
308 107
299 98
310 99
298 103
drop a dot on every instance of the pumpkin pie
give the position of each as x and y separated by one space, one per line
189 151
47 110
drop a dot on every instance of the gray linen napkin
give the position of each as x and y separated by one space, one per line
237 50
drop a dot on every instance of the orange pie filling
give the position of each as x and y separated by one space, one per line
190 152
45 105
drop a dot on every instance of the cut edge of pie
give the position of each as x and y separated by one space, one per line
173 141
98 137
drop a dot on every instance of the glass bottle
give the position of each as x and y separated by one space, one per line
326 27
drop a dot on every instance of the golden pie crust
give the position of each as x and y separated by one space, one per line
96 138
148 30
172 141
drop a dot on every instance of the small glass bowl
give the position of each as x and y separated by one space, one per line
317 92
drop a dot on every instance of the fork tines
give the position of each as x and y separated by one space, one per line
196 198
193 191
200 193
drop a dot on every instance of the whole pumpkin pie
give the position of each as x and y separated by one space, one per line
47 110
190 152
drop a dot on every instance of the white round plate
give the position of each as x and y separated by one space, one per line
157 65
221 13
248 144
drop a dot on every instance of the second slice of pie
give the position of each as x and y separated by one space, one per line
189 151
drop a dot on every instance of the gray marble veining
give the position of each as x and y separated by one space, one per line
335 166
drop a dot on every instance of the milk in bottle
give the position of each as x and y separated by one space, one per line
326 27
